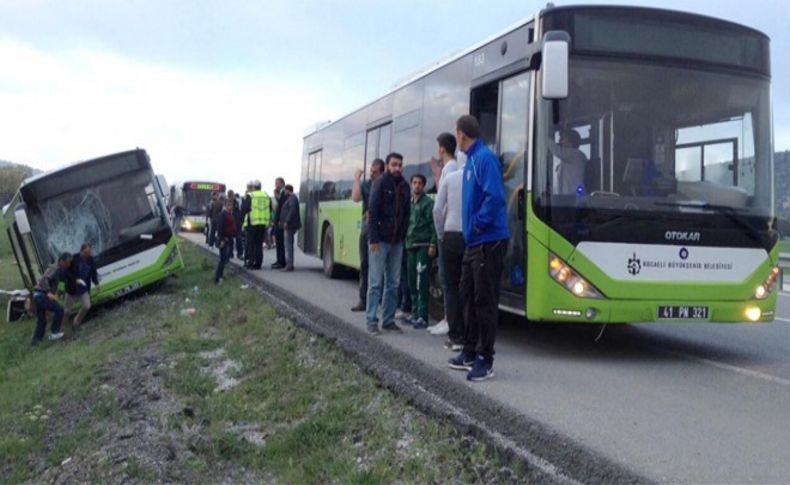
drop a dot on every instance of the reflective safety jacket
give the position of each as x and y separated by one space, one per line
260 210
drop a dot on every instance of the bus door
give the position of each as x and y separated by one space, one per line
502 108
310 225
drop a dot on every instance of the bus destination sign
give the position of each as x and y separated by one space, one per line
199 186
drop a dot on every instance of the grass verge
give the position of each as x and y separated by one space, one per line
142 393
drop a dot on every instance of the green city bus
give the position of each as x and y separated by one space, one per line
114 203
672 215
193 198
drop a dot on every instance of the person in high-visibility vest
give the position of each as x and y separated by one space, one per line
257 210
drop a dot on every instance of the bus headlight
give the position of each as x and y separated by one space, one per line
171 257
762 291
570 279
753 313
187 225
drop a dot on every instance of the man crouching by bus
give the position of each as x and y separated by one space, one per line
82 273
486 232
226 234
45 299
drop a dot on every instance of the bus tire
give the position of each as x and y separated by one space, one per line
331 269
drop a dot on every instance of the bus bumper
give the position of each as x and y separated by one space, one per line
571 309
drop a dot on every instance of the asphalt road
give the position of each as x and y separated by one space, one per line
690 403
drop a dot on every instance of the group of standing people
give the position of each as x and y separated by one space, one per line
76 273
248 221
466 227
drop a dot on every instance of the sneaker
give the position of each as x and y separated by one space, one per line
392 328
218 282
462 361
419 323
441 328
481 371
277 266
452 346
374 330
361 306
56 336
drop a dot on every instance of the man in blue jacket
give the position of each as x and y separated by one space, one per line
82 274
388 210
486 233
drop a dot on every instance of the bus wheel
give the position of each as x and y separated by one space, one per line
331 269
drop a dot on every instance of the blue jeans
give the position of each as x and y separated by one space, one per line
225 252
43 305
383 272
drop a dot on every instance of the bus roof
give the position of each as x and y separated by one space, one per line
44 175
435 66
316 127
655 10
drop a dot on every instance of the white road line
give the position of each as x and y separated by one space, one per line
732 368
782 319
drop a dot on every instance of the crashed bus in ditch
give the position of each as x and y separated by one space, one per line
115 203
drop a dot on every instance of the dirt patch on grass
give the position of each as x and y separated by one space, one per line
139 431
221 369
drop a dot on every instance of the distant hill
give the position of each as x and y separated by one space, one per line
11 175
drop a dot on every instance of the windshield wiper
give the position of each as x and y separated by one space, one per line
732 213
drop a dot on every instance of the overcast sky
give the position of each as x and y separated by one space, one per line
224 90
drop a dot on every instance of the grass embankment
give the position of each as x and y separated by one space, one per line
233 392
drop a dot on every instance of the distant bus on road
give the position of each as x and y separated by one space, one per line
113 202
193 197
636 151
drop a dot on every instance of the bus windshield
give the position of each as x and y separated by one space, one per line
639 138
195 201
105 214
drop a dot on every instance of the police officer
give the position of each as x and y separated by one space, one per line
257 210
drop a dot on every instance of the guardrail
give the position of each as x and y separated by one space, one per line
784 263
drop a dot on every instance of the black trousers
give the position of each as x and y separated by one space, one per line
479 290
279 236
256 246
453 256
363 265
240 242
248 238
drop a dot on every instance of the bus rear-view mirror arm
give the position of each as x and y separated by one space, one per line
554 64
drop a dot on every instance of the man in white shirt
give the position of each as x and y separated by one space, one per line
573 162
447 220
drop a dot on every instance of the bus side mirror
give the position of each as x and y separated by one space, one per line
22 224
554 64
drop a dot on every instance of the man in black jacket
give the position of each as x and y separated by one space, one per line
279 233
388 209
82 273
290 222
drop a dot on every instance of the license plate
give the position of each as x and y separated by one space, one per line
127 289
683 312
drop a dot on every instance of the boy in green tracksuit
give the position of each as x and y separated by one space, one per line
420 248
